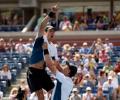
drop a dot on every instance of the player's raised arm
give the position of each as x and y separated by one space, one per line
51 15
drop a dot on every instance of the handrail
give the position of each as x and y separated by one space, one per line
28 26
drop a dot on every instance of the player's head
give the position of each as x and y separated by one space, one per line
50 30
69 70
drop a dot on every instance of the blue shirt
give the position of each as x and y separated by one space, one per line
37 52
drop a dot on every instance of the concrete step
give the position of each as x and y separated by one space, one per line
16 83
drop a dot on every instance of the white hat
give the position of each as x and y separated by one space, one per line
110 77
87 75
88 89
85 43
75 90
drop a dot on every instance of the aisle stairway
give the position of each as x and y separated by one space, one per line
16 83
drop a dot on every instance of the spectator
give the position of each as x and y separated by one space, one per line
65 25
29 46
83 25
101 78
75 95
6 74
88 95
76 26
98 45
13 94
100 95
2 45
77 60
66 48
108 84
78 78
84 49
114 79
117 66
11 45
19 47
103 56
107 67
75 48
86 81
108 46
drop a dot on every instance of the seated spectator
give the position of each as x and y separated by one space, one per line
107 67
76 59
117 66
98 45
100 95
88 95
114 79
66 48
75 95
84 49
83 25
6 74
107 43
86 81
78 78
107 86
76 26
108 46
82 69
67 58
65 25
75 48
2 45
13 94
101 78
11 45
103 56
90 63
29 46
20 47
100 24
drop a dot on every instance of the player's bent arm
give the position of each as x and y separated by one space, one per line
48 60
51 65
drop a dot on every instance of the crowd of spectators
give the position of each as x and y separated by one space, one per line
87 22
11 21
98 75
10 18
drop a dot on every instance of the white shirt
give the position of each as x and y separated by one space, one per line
87 97
66 88
106 85
51 48
7 74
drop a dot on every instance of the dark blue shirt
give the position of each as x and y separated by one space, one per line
37 52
